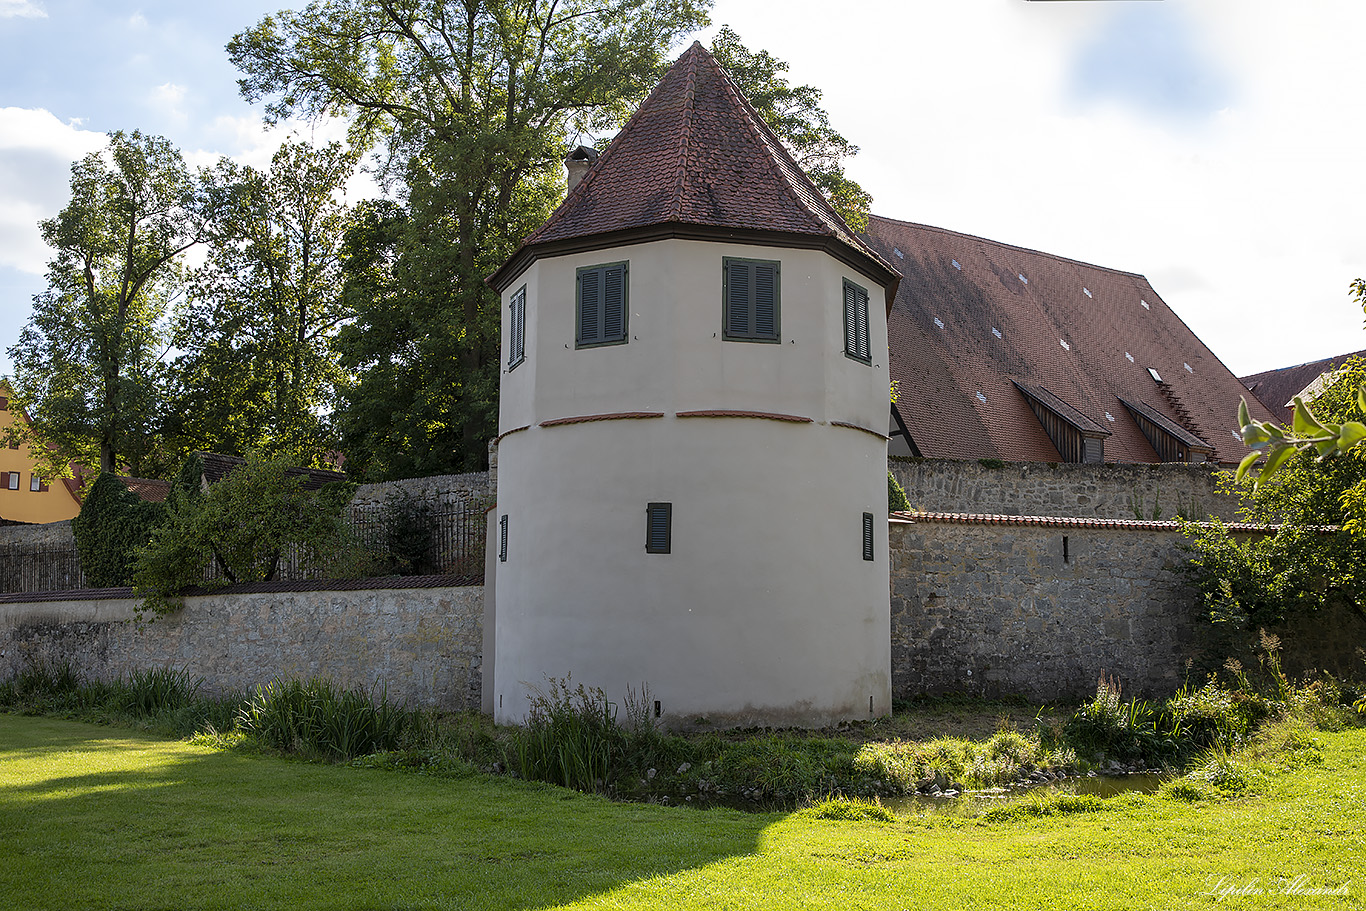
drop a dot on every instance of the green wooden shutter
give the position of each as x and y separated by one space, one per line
517 328
590 306
868 536
737 298
503 539
766 300
658 528
614 303
751 297
856 344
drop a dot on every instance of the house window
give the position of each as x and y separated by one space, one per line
12 480
601 300
658 528
856 323
502 539
35 484
4 403
868 536
750 299
517 328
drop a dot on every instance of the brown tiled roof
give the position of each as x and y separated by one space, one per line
1277 387
695 159
217 466
1066 326
150 489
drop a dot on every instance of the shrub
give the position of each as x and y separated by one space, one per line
317 718
1051 805
896 496
111 527
852 808
409 541
1109 726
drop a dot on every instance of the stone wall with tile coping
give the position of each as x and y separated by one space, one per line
1109 491
423 645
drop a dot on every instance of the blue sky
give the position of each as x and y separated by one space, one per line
1212 145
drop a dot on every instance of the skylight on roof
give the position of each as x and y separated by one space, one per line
939 322
1022 278
1157 377
1109 417
957 266
1237 436
1065 346
1188 368
996 332
1129 356
1145 305
981 398
1087 292
899 254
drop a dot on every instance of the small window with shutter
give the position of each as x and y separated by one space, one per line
856 323
601 301
502 539
12 480
517 328
750 299
658 528
868 536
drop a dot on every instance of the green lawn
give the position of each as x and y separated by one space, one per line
94 817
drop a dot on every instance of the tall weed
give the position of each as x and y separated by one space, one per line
318 718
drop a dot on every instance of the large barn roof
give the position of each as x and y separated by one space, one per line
697 161
984 336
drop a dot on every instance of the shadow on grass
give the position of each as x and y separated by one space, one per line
136 822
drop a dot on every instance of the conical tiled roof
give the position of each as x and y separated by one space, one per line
696 160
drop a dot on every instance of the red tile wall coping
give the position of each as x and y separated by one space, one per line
960 518
880 436
251 588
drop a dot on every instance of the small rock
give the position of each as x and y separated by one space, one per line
924 784
650 774
949 793
684 767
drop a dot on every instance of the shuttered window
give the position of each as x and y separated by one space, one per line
11 480
868 536
750 299
601 302
503 539
856 323
658 528
517 328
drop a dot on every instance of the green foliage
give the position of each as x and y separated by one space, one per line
896 496
851 808
318 718
246 524
1107 726
260 314
1050 805
112 526
87 366
409 539
795 114
474 104
1305 565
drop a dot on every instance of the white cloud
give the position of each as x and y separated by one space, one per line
137 21
36 152
21 9
167 98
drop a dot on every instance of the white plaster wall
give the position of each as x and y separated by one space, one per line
765 610
675 358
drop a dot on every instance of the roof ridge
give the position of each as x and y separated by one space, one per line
685 134
996 243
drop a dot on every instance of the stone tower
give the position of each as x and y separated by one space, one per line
691 463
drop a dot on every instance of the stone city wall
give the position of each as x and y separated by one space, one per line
422 644
1083 491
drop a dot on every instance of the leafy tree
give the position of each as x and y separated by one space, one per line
245 524
261 312
1317 557
794 113
87 367
472 104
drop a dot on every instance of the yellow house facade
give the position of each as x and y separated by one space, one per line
25 495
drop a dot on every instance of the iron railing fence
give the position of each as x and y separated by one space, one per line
431 538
